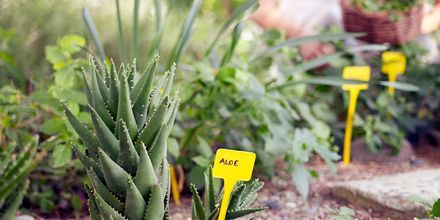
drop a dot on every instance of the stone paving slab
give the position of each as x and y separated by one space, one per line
390 193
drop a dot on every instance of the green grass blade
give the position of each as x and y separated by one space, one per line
236 15
122 49
94 33
235 38
158 14
185 33
134 39
302 40
312 64
400 86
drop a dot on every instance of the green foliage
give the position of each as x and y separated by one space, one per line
343 213
9 72
242 197
126 153
15 165
432 209
394 5
66 86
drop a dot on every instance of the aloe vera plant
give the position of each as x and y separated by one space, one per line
242 197
14 168
126 151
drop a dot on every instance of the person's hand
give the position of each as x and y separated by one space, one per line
313 50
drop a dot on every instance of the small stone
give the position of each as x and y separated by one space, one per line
273 204
290 205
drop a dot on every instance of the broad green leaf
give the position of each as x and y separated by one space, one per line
300 177
52 126
201 161
71 43
61 156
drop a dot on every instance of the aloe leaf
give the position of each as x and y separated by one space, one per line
115 177
128 157
89 140
236 197
4 159
23 159
113 90
242 212
104 192
99 104
214 214
89 164
93 210
140 94
165 179
169 81
153 125
134 204
11 209
124 109
107 141
198 206
87 88
209 192
6 188
173 114
92 30
105 209
159 148
103 90
145 176
155 206
144 84
236 15
155 95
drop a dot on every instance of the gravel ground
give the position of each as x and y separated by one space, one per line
284 202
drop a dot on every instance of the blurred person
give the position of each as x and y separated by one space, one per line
298 18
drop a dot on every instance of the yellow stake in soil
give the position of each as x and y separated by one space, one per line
361 73
232 166
174 186
393 64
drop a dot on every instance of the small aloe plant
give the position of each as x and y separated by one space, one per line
14 168
126 151
242 197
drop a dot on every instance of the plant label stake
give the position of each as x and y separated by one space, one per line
361 73
232 166
393 64
174 186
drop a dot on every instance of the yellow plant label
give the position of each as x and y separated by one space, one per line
232 166
361 73
393 64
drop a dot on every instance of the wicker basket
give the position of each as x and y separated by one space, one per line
378 26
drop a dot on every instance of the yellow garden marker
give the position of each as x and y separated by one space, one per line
232 166
174 186
361 73
393 64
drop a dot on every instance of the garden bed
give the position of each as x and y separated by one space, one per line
284 201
